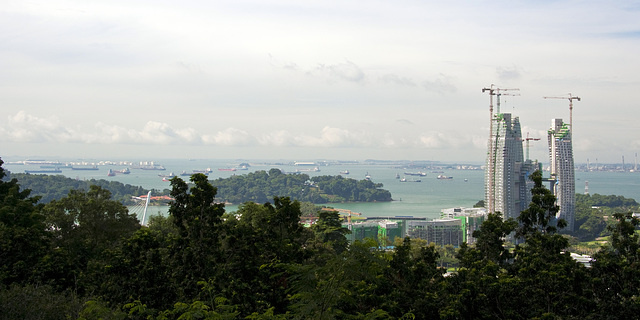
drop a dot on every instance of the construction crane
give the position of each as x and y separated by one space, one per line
570 98
500 93
527 139
493 91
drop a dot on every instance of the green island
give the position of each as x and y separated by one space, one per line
259 187
262 186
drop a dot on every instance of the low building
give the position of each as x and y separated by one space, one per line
439 231
470 220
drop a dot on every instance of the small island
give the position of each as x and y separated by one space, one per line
262 186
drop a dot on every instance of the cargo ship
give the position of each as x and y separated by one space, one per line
85 168
44 171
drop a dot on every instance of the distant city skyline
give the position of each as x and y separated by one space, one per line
280 79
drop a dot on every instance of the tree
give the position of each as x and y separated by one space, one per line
84 225
616 270
416 276
490 242
197 219
329 230
541 213
259 244
23 237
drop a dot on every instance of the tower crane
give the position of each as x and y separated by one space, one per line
527 140
493 91
570 98
500 93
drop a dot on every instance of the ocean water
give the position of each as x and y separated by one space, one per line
419 199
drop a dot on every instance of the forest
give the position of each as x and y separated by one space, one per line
258 187
262 186
85 257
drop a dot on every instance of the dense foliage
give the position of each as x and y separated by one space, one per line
56 187
84 257
258 187
594 213
262 186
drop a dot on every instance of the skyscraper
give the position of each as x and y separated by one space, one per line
503 176
562 170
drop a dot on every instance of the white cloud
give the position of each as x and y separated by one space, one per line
442 84
398 80
24 127
229 137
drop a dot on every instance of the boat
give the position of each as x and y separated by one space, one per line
367 176
185 174
170 175
419 173
114 172
443 177
44 171
403 180
205 171
227 169
397 176
161 168
344 172
414 180
166 179
85 168
146 165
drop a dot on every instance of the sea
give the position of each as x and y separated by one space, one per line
426 198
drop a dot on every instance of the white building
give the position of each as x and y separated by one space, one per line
562 171
504 167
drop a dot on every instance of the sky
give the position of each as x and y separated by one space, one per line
285 79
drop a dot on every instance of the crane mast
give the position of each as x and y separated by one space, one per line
527 141
570 98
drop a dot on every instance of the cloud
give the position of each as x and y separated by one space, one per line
27 128
23 127
229 137
404 121
329 137
450 140
509 73
281 138
347 71
333 137
398 80
442 84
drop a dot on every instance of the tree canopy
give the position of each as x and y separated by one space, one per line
84 257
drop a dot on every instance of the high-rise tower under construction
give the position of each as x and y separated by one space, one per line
562 170
504 164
